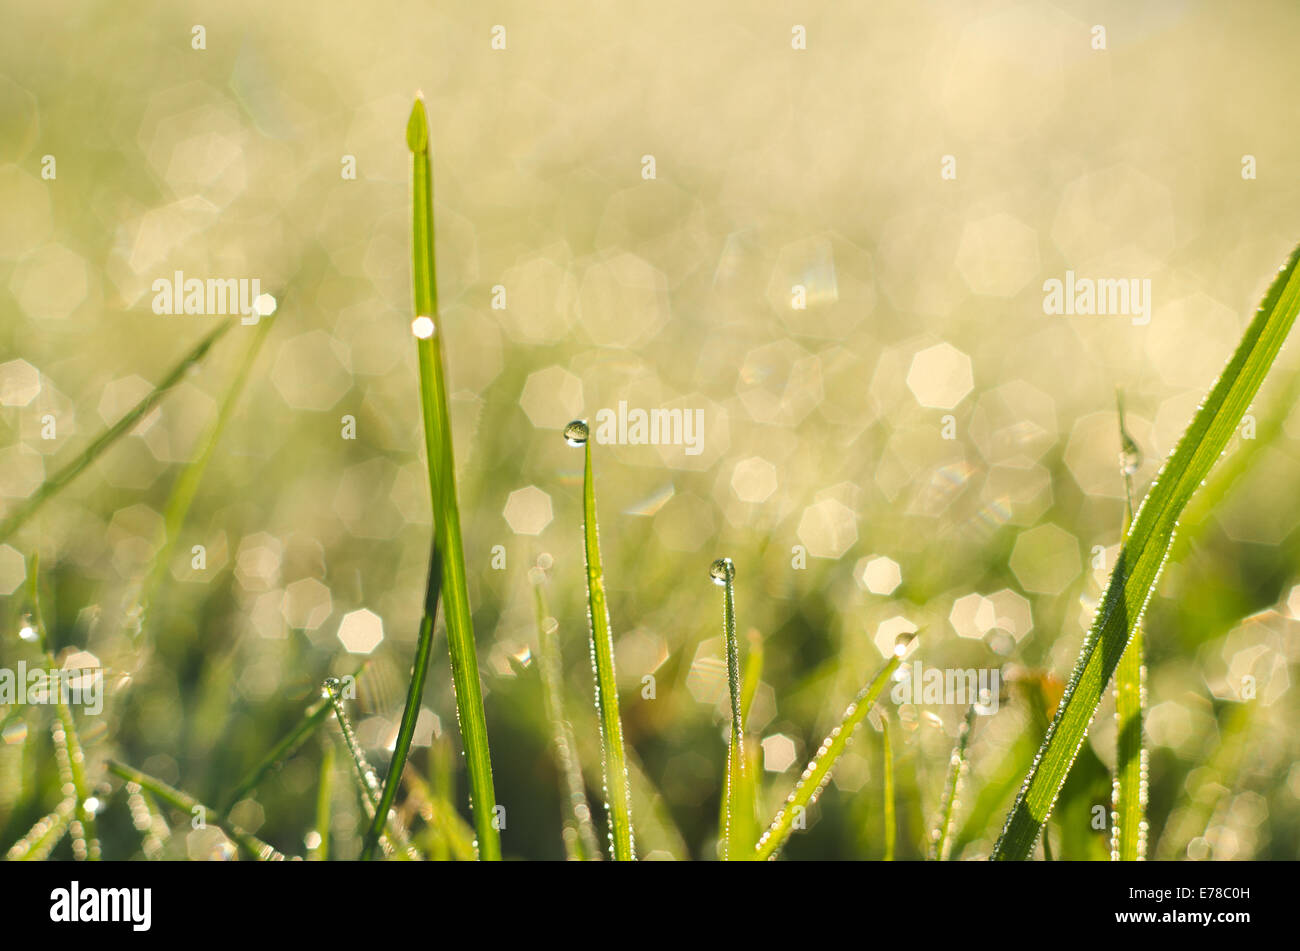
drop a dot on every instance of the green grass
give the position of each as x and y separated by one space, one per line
618 793
57 482
442 486
723 573
887 788
941 838
818 772
1143 554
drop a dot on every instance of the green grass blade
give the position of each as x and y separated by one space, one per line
818 773
316 714
446 833
1129 790
68 750
188 804
941 838
723 573
442 486
891 822
618 792
186 486
411 712
743 831
580 842
41 839
1143 555
104 440
393 840
320 849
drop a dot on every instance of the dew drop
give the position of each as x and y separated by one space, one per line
330 687
903 642
722 571
575 434
422 327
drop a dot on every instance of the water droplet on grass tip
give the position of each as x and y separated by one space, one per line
903 642
722 571
576 433
330 687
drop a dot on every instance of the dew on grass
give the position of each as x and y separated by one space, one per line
422 327
576 433
722 571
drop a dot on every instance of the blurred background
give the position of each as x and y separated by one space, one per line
648 196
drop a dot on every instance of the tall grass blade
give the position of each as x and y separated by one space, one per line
1129 790
411 712
1142 556
55 483
723 573
319 850
743 831
250 843
579 832
891 822
818 772
618 792
941 838
442 486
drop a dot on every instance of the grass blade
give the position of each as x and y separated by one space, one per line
941 838
41 839
818 772
319 850
580 842
411 712
442 485
187 483
891 822
723 572
188 804
68 751
618 792
1142 556
393 840
104 440
1129 791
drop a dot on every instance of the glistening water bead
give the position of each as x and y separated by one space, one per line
722 571
576 433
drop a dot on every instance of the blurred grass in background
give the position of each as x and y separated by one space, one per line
824 426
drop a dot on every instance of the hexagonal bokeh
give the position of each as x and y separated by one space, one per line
20 383
778 753
22 470
828 528
1014 423
940 377
753 479
361 631
551 398
879 575
1046 559
623 301
306 605
308 372
998 255
888 634
1115 208
541 296
528 511
49 282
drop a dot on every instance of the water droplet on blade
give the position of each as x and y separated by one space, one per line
576 433
722 571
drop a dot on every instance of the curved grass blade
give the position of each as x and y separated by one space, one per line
411 712
941 838
316 714
618 793
723 573
1142 556
1129 790
580 842
104 440
41 839
818 772
743 832
250 843
442 486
